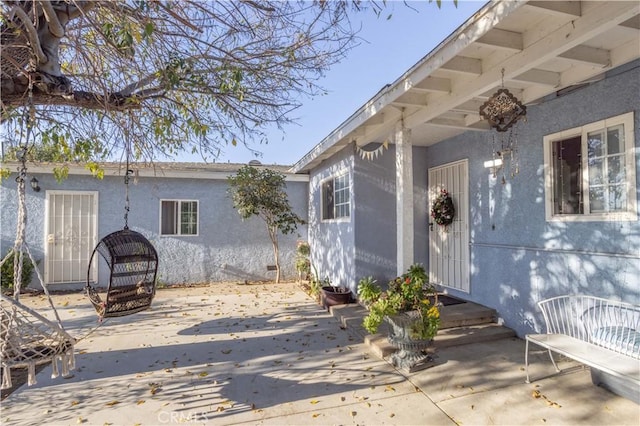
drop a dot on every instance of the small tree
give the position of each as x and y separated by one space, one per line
261 192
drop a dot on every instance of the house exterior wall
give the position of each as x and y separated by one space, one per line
332 242
374 208
421 208
226 247
517 257
370 233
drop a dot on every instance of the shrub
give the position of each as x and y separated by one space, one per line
7 272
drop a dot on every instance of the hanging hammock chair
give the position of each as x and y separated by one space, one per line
133 264
28 339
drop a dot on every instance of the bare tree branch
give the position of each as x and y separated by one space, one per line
198 76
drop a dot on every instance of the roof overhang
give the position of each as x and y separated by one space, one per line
211 171
533 48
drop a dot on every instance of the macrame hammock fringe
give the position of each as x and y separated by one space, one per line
29 339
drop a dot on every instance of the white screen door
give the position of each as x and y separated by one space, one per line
449 247
70 235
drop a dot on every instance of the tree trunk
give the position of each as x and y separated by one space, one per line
273 234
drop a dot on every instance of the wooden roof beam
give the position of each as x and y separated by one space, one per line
457 123
375 120
502 39
537 76
588 55
412 99
471 106
463 64
632 23
560 8
434 84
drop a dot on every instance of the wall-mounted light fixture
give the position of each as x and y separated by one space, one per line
493 163
494 166
35 185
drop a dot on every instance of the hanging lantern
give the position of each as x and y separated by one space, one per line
503 110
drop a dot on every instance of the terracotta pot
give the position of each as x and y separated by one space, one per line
332 296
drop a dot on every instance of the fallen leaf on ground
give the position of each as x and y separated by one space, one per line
112 403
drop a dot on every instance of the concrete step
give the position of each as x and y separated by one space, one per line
350 316
465 314
449 337
460 324
451 316
446 338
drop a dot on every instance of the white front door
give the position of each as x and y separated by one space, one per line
449 246
71 231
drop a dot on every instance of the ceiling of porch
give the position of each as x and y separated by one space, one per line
541 48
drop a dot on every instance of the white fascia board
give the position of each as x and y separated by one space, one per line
111 170
475 27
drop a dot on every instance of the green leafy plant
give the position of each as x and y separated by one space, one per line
6 272
262 192
368 290
314 283
409 292
303 263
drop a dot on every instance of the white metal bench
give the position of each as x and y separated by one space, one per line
601 333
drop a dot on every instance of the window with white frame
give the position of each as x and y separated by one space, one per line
178 217
590 171
336 198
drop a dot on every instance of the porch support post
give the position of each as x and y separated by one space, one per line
404 198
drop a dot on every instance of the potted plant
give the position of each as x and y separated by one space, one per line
410 307
334 295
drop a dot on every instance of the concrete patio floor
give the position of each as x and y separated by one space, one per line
268 354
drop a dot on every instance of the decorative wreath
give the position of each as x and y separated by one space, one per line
442 210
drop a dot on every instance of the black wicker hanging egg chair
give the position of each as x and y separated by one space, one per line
133 264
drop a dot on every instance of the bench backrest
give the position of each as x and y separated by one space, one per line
607 323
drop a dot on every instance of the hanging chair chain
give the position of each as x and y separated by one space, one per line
127 173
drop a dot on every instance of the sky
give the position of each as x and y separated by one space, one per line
390 47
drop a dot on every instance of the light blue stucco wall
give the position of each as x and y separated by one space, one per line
226 247
370 233
517 257
374 215
332 242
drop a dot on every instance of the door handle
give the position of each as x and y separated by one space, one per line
430 226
